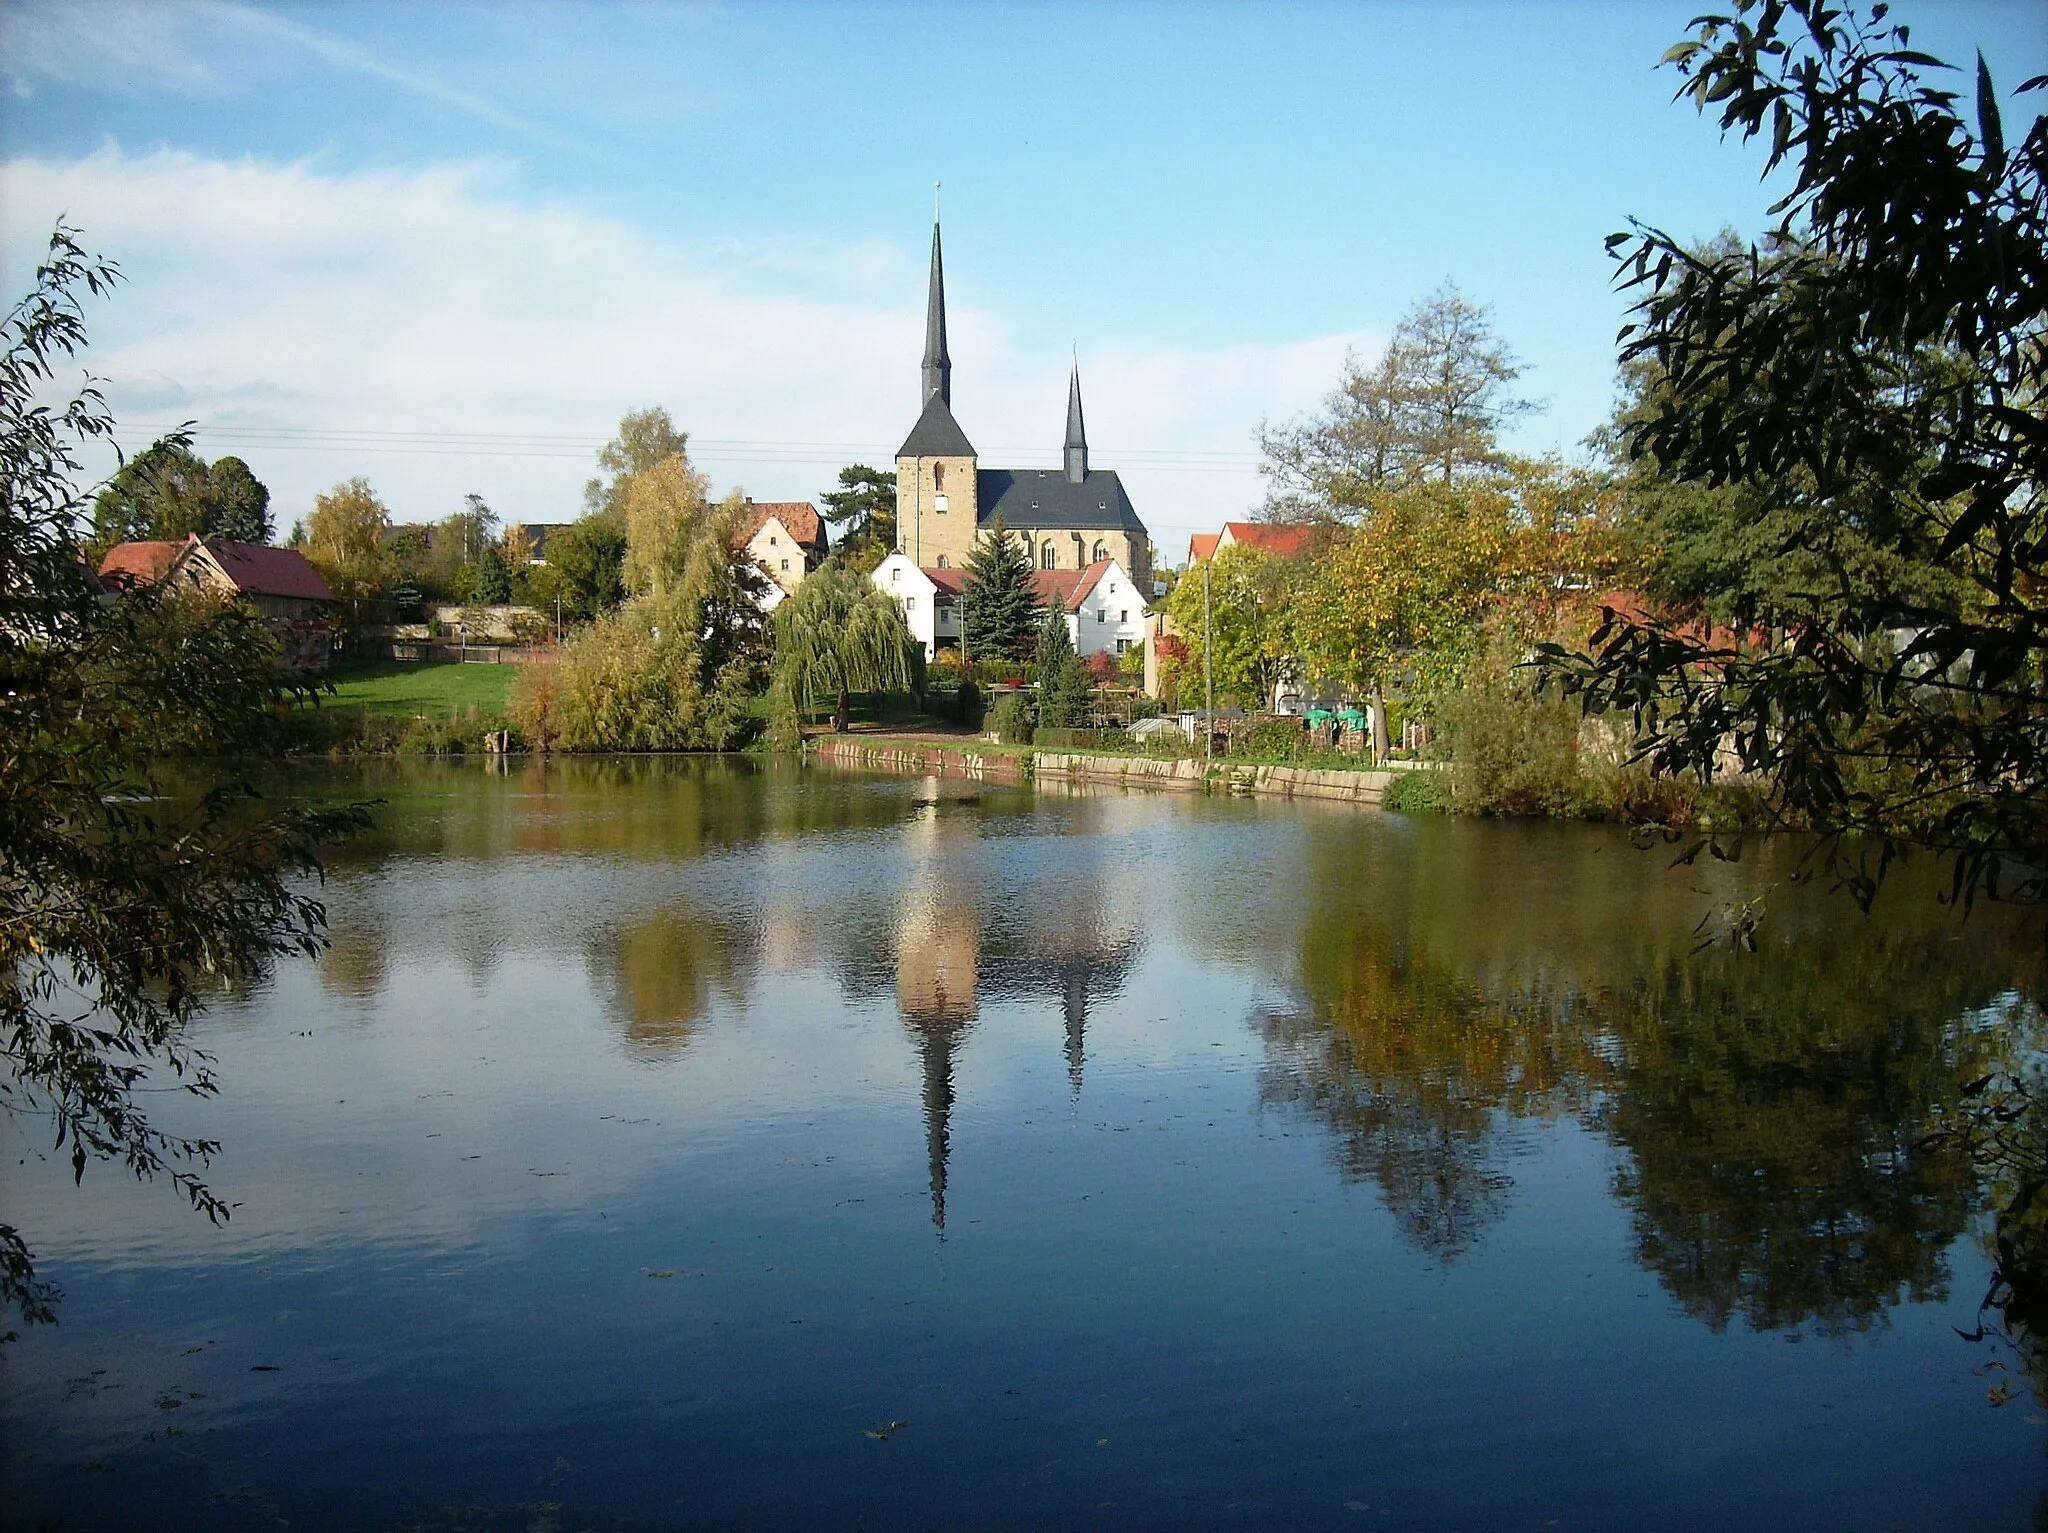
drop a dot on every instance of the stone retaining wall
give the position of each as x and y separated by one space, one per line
1191 775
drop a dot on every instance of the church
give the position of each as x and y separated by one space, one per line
1070 519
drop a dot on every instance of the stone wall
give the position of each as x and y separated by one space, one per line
1185 775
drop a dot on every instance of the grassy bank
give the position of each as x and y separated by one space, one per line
384 708
422 690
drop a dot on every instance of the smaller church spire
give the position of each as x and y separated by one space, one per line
938 366
1077 433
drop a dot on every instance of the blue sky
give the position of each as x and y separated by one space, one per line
446 246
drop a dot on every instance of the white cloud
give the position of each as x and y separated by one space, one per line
422 309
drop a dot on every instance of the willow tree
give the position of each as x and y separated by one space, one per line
838 635
126 905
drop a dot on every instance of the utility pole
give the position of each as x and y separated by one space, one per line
1208 672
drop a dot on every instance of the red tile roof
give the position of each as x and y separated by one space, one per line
254 568
1202 546
1062 588
128 565
799 516
1270 537
1056 587
1633 609
1089 577
265 571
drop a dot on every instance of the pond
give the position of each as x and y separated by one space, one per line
701 1144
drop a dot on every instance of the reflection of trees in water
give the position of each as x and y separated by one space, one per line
651 808
658 976
1776 1107
1773 1106
357 961
1418 1077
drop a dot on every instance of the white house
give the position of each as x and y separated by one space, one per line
1104 610
930 600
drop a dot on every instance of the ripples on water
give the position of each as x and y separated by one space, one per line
686 1144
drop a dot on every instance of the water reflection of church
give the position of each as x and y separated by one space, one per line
957 943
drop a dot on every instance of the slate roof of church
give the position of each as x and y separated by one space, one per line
936 434
1042 498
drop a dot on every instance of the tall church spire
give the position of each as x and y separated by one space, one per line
1077 434
938 367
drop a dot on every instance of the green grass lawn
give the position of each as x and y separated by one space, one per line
409 689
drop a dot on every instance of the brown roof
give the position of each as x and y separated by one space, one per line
1087 583
1061 588
255 568
128 565
1270 537
1636 611
265 571
1056 587
799 516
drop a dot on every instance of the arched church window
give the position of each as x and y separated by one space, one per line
1049 556
1101 551
939 477
942 562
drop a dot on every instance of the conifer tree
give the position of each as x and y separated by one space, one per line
1063 679
999 606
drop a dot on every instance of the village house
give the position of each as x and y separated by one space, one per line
278 582
1268 537
1104 612
787 539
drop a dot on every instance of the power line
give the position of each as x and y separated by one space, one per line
476 444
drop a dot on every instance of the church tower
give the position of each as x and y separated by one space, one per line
937 497
1077 433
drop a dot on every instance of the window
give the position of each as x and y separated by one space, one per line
939 502
942 562
1101 551
910 604
785 565
1048 556
896 575
1102 614
771 540
939 477
1123 646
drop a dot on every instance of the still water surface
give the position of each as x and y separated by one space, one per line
687 1144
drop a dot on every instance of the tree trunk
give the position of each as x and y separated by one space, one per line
842 716
1379 728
